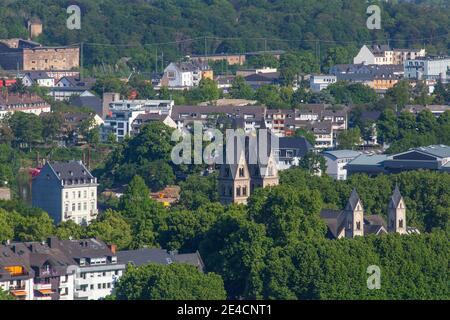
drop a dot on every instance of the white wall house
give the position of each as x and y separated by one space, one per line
384 55
67 191
428 68
337 160
319 82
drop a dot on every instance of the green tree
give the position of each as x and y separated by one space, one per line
5 296
69 230
112 228
6 229
240 89
168 282
349 139
313 163
51 125
26 127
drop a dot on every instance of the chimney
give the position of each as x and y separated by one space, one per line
113 248
52 242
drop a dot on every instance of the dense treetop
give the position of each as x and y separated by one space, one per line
231 25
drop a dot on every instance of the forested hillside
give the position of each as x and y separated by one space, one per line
228 25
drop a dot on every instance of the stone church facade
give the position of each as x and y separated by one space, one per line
352 222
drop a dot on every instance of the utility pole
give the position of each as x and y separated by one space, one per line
205 47
156 61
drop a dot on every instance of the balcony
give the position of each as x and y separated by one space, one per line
42 286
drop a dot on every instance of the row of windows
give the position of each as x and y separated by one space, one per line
77 207
98 287
83 275
75 194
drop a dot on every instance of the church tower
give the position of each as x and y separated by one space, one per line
354 215
397 213
234 181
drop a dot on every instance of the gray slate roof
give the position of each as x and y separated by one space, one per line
146 256
396 197
352 201
70 170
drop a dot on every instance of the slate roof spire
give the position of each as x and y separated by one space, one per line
352 201
396 197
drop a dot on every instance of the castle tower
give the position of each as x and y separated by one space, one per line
354 215
34 28
397 213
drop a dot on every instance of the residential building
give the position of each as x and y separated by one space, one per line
290 151
383 54
144 256
39 78
352 222
20 54
185 75
434 157
17 102
122 114
146 118
16 275
252 116
67 191
319 82
436 110
224 82
336 162
258 80
72 123
97 267
428 68
85 269
378 77
248 72
231 59
68 86
53 270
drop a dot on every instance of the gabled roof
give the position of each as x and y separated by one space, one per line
374 220
333 220
35 75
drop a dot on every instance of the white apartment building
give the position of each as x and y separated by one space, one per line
383 55
124 112
96 267
431 68
67 191
336 162
185 75
319 82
